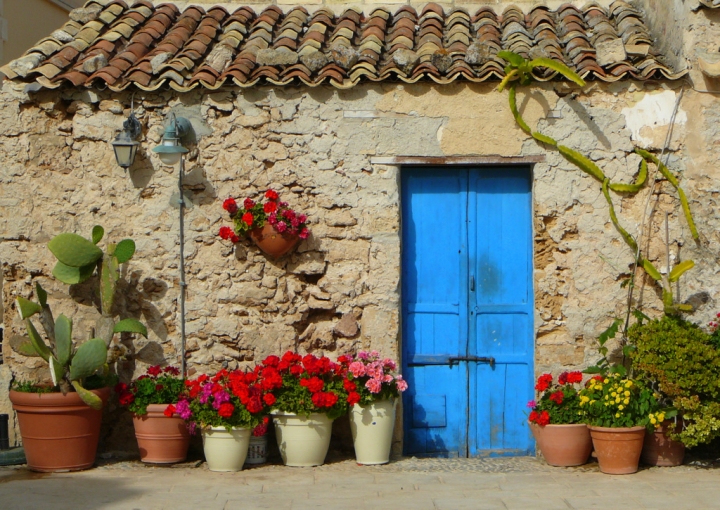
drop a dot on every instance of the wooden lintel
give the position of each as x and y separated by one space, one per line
457 160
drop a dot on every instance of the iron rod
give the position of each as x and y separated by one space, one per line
182 268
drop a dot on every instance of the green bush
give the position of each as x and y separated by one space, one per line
680 361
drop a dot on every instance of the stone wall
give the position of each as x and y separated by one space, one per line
326 152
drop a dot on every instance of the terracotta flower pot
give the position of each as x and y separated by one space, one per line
59 432
272 242
618 448
660 450
563 445
161 439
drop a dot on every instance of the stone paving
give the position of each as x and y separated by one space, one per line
418 484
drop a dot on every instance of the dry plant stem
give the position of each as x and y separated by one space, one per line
645 216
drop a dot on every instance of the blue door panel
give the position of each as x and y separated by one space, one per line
467 294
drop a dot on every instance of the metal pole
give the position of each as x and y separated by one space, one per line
183 285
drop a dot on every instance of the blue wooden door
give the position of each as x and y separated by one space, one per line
467 310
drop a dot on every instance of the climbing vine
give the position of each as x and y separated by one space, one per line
519 71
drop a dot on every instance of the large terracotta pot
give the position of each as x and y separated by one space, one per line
372 428
225 450
59 432
660 450
161 439
618 448
563 445
303 440
272 242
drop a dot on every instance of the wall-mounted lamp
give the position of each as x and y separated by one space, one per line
171 151
125 144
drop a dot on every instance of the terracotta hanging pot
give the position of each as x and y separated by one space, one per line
161 439
563 445
660 450
272 242
618 448
59 432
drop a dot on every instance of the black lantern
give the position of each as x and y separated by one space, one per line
125 144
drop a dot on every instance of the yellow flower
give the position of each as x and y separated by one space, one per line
592 401
627 393
661 417
626 401
621 407
617 400
653 420
628 384
613 394
617 415
606 381
607 397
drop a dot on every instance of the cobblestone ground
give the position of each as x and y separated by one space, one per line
433 484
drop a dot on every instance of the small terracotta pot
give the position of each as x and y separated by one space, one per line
618 448
660 450
272 242
59 432
161 439
563 445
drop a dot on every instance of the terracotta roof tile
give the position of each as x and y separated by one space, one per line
158 46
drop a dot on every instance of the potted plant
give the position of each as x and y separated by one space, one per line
691 389
161 432
226 407
273 226
373 391
308 395
558 422
257 448
67 440
617 411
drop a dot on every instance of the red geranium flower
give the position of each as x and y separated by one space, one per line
169 411
544 382
353 398
270 207
154 370
271 195
557 397
226 232
248 218
127 398
269 399
574 377
226 410
248 203
230 205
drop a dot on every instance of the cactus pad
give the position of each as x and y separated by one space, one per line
63 339
89 357
125 250
72 275
131 326
27 308
97 234
74 250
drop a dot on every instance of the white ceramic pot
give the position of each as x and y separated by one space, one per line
257 450
372 428
303 441
225 451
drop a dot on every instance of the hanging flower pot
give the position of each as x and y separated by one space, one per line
660 450
273 226
273 243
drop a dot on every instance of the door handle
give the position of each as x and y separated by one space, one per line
472 284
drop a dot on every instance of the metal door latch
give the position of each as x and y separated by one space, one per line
480 359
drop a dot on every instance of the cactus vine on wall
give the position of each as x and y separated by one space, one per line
519 71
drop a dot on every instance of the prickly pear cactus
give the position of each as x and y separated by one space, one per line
77 260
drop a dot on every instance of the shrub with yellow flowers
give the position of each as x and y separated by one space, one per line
612 400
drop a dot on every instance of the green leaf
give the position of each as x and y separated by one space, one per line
509 76
27 308
74 250
513 58
609 332
23 346
629 240
558 67
581 162
57 370
515 112
544 139
640 316
651 270
125 250
97 234
72 275
639 183
678 270
89 357
628 349
63 339
87 396
593 370
688 214
41 295
131 326
38 343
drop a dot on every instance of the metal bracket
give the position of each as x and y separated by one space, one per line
480 359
